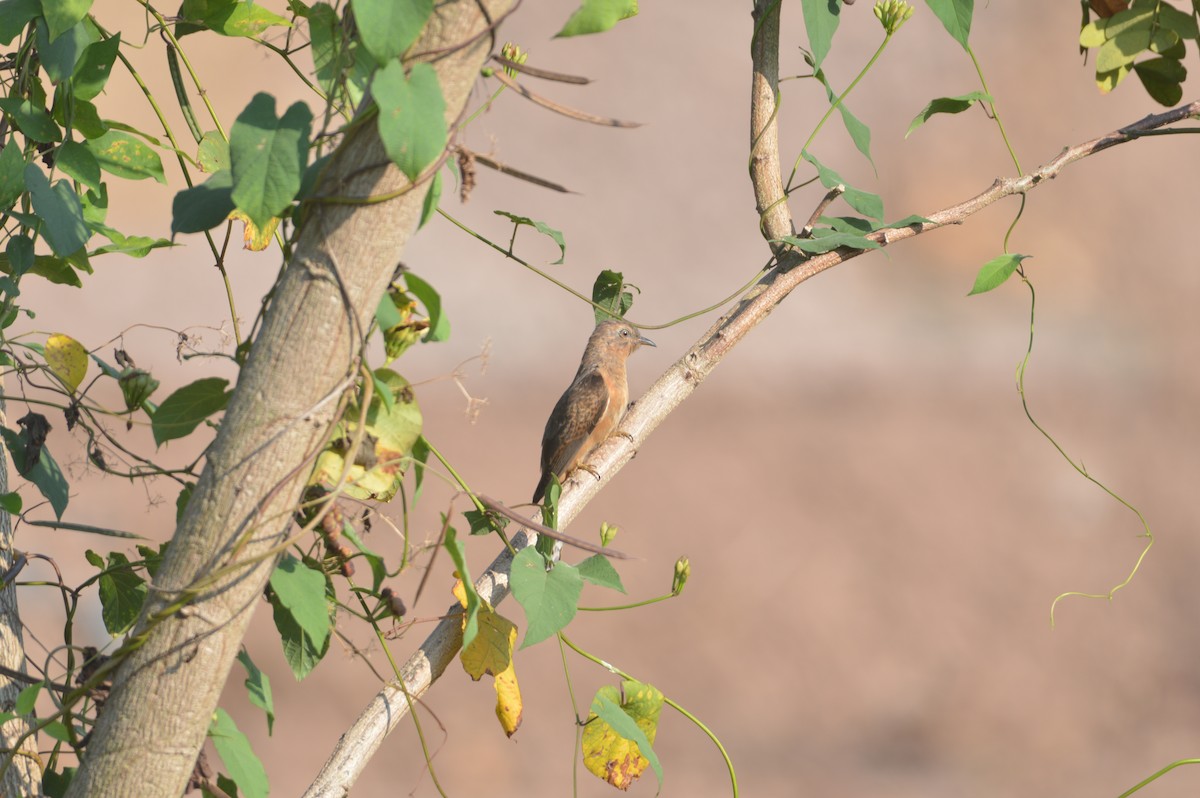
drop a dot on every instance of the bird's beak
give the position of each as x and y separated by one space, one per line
644 341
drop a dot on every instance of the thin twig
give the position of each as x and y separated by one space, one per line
544 74
511 515
517 173
825 202
582 116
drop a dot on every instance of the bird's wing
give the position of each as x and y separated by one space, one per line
573 421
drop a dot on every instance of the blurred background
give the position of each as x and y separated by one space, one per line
875 531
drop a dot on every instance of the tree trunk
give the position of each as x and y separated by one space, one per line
287 397
24 775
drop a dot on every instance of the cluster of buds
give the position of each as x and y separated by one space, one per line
892 14
136 387
607 533
514 53
683 569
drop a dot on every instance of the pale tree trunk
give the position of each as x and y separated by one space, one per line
24 775
306 356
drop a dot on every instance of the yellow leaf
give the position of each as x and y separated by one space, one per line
606 753
377 467
508 699
67 358
491 653
253 238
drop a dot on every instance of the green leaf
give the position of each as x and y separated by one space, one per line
609 293
947 105
412 116
127 156
825 240
152 557
420 456
85 119
233 747
60 211
55 784
1177 21
27 698
432 197
181 501
907 221
549 598
387 315
1162 78
439 325
60 56
94 67
61 15
183 410
227 17
77 162
205 206
301 651
1121 50
860 134
14 16
388 28
213 152
383 392
44 474
268 156
995 272
458 553
301 591
329 53
258 687
955 16
19 252
11 503
133 246
58 730
821 21
864 202
542 228
122 593
12 176
642 702
597 16
32 120
599 571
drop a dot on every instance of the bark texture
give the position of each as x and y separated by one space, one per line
24 775
288 394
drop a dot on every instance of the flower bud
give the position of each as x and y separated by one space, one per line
683 569
892 14
607 533
136 387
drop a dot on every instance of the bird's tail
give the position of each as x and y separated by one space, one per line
540 490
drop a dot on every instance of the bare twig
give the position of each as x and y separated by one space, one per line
517 173
497 507
829 197
582 116
544 74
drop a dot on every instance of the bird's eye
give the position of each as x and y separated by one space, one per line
625 333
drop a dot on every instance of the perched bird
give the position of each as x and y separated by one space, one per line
589 410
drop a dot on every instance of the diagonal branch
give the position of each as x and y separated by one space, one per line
389 706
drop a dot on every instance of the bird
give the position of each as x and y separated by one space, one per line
590 409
